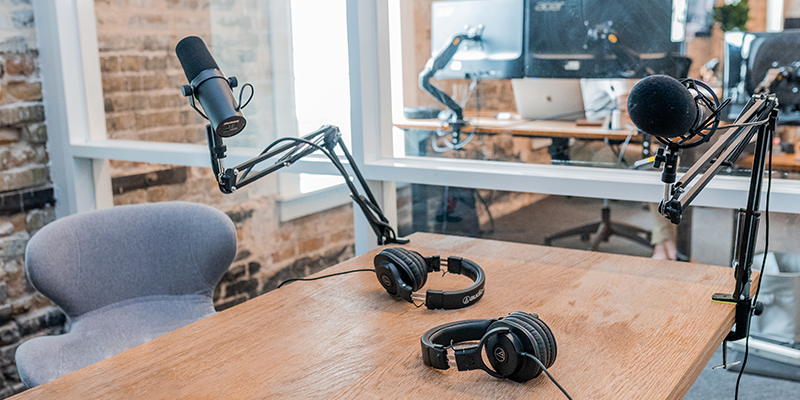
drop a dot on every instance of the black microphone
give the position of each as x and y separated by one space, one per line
210 87
663 107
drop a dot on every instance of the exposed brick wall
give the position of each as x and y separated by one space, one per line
26 195
298 248
141 74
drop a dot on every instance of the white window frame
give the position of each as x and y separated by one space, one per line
79 149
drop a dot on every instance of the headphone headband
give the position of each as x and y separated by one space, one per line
448 300
392 265
436 341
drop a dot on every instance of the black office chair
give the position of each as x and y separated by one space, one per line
603 230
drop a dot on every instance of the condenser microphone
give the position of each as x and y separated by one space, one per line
663 107
210 87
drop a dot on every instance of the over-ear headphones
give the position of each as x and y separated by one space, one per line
403 273
511 343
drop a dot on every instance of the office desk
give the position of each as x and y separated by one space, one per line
491 125
626 327
780 162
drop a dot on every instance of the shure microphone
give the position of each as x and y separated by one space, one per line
662 106
210 87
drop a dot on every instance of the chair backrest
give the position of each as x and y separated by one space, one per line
86 261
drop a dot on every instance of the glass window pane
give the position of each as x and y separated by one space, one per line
299 78
550 86
707 233
300 81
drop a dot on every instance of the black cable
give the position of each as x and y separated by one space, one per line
252 92
327 153
324 276
547 373
273 144
761 274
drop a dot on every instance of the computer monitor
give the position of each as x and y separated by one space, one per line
498 55
604 38
748 59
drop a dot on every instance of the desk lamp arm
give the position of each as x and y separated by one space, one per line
760 108
437 63
325 140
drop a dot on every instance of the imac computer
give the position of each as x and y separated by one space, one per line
767 59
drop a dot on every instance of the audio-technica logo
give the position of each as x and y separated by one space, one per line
500 354
386 281
470 299
548 6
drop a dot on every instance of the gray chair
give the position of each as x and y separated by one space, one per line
123 276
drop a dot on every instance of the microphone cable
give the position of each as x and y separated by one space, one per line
324 276
547 373
761 274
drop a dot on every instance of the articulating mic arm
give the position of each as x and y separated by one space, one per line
325 140
439 61
757 118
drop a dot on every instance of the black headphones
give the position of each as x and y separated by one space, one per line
403 272
510 342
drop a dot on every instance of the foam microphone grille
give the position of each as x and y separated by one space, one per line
661 106
194 57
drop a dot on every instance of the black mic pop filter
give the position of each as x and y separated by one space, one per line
661 106
194 57
210 87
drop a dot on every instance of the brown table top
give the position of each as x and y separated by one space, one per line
492 125
626 327
780 162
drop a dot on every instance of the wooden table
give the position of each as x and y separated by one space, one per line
626 327
491 125
780 162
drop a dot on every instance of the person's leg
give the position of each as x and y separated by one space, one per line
664 234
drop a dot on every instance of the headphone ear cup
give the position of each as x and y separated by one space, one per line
534 340
412 267
549 339
503 349
546 342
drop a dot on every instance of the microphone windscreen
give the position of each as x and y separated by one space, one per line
661 106
194 57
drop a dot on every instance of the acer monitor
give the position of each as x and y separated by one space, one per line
604 38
